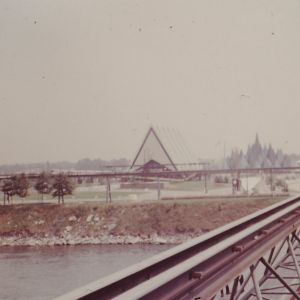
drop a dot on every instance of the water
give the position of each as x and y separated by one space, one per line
46 272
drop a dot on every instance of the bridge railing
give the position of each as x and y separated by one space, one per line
252 250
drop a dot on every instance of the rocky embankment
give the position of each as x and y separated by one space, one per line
155 223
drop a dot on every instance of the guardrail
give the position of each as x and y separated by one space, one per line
222 263
119 174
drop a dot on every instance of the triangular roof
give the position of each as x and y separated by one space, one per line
166 147
153 149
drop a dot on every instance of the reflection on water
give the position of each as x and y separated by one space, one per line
47 272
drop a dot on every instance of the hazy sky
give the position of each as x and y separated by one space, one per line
87 78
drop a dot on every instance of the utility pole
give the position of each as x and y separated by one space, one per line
247 185
224 155
205 178
158 188
271 182
108 190
205 183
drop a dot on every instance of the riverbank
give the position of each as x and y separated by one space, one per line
165 222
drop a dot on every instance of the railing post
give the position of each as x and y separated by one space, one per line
158 188
255 283
293 256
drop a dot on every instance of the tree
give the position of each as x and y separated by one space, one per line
8 190
279 158
250 156
286 162
43 185
21 185
16 185
257 148
266 163
258 156
271 155
62 186
234 159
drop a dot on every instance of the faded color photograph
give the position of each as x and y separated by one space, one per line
149 149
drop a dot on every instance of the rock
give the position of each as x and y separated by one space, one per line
111 226
70 239
89 218
72 219
31 242
68 228
39 222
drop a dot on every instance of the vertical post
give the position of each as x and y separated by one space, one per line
108 191
255 283
224 156
158 188
293 256
247 185
205 183
234 288
271 181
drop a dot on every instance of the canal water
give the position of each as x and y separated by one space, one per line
38 273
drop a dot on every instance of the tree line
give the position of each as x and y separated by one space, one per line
83 164
58 186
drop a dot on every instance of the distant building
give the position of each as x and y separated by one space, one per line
163 149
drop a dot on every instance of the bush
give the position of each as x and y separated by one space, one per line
280 183
221 179
218 179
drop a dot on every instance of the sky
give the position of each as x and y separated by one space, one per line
86 78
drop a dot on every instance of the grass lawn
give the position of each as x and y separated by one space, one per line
195 185
77 195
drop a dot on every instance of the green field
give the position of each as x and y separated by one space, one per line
78 195
194 185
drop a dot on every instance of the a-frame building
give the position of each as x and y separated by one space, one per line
162 149
152 154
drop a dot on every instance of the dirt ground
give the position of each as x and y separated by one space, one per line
190 217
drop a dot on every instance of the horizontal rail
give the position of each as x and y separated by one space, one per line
162 268
99 174
151 289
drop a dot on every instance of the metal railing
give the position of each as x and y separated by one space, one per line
215 265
